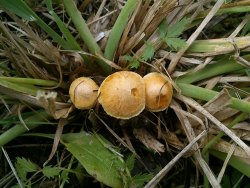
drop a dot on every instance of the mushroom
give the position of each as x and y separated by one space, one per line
122 95
83 93
159 91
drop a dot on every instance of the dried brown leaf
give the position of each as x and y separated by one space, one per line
173 140
148 140
57 138
224 147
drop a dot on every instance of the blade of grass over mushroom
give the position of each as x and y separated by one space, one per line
84 32
19 129
207 94
222 67
117 30
236 162
21 9
31 81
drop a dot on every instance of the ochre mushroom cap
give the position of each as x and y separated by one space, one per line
122 95
159 91
83 93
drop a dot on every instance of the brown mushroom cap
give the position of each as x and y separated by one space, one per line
159 91
83 93
122 95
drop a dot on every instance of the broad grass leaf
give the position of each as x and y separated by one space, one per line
99 161
19 8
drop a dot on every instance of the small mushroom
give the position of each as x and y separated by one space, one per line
159 91
83 93
122 95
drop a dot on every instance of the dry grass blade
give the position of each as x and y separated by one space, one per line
148 140
217 107
116 136
222 127
230 153
30 99
12 168
148 26
57 138
191 39
191 135
224 147
166 169
22 57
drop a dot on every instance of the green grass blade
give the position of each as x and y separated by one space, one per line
20 8
222 67
117 30
215 139
85 33
207 94
66 33
19 129
24 88
226 10
31 81
235 162
218 45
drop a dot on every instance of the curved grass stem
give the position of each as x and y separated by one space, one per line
19 129
206 95
117 30
84 32
38 82
222 67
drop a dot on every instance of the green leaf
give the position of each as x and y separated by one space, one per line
148 52
178 28
163 29
175 43
140 179
99 161
65 176
134 64
130 161
51 172
23 166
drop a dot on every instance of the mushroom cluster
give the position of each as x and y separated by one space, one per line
123 94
